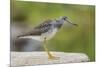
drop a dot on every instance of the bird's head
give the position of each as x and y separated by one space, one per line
65 18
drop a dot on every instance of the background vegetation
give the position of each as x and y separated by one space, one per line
69 38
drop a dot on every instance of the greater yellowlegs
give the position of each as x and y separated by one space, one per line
46 31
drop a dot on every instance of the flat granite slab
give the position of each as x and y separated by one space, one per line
40 58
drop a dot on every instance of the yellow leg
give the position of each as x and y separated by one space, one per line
49 54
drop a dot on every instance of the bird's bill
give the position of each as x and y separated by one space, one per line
71 23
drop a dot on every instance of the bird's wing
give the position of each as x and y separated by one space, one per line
42 28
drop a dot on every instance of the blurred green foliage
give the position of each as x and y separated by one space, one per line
68 39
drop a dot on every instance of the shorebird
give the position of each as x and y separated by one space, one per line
45 31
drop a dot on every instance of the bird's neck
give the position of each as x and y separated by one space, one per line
59 23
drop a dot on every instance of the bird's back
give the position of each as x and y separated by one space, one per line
38 30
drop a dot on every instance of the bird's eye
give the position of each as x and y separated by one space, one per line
64 17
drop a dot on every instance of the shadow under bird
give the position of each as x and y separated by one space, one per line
46 31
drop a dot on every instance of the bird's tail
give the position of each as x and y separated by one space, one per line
20 36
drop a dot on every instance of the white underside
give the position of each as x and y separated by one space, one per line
48 35
32 37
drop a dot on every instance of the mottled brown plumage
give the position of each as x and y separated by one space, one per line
38 30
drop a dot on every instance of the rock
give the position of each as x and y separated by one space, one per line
40 58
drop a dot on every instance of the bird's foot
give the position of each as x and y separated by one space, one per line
53 58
